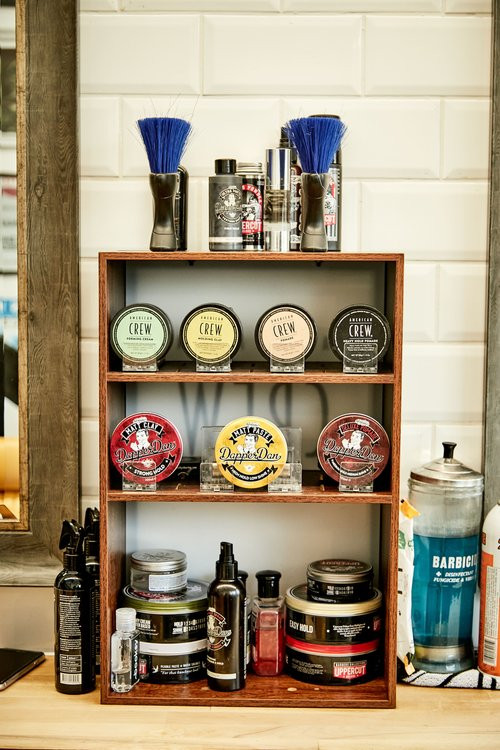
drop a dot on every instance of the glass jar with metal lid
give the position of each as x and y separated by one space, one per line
162 570
448 497
339 581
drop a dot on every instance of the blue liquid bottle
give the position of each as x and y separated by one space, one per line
448 497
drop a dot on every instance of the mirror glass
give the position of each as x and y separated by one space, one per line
10 506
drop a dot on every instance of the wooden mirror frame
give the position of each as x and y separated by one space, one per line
48 272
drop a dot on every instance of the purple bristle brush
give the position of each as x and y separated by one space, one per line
165 140
316 139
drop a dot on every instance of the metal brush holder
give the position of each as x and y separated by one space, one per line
314 187
164 188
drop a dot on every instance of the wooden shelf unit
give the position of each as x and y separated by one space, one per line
283 690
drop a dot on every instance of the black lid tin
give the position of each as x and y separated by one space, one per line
285 352
200 349
142 346
339 581
225 166
360 324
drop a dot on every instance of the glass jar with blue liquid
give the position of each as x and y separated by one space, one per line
448 497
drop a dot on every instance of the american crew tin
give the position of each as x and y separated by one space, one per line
332 644
285 334
162 570
250 452
336 581
173 632
354 445
146 448
361 332
252 204
211 334
140 334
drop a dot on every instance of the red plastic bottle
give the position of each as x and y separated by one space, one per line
268 625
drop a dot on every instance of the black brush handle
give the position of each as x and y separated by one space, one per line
314 188
164 189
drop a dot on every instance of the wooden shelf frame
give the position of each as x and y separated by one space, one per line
283 690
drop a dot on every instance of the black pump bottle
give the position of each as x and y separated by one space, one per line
226 650
93 569
73 620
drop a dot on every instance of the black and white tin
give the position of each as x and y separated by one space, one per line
361 332
337 581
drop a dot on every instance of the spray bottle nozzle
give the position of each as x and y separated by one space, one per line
226 552
226 566
71 541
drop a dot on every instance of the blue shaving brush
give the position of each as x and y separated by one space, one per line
316 140
165 140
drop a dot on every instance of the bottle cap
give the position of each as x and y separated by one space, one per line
268 583
278 168
125 619
448 472
225 166
249 167
243 576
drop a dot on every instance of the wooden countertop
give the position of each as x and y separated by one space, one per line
33 715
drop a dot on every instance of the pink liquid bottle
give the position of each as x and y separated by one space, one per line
268 625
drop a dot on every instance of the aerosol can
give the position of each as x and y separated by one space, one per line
489 615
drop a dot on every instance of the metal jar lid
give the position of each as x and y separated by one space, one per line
340 571
447 472
193 599
296 599
159 560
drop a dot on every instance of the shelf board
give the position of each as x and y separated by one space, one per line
245 257
313 491
281 691
252 372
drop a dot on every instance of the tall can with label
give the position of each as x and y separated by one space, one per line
252 205
226 626
224 205
489 614
448 497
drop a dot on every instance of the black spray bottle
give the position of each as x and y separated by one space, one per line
226 650
73 620
93 568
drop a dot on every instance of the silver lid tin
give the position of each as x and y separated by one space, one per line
447 472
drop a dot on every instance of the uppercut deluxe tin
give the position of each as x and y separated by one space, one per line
211 334
146 448
285 334
140 334
335 581
173 633
333 644
361 333
354 445
250 452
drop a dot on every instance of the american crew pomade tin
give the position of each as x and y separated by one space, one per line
333 644
211 334
360 332
285 334
140 334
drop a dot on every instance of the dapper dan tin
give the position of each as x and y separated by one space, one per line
250 452
355 446
146 448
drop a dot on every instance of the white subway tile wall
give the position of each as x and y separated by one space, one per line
410 78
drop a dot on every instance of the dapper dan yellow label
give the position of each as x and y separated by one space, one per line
250 452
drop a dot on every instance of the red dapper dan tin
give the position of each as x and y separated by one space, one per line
355 446
146 448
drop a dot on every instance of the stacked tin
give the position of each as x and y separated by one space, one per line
171 617
334 624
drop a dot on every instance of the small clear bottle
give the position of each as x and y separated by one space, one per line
268 625
124 652
277 200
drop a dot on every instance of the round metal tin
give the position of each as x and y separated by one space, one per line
296 599
146 448
250 452
364 329
285 334
339 581
192 599
211 334
163 570
140 334
354 445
